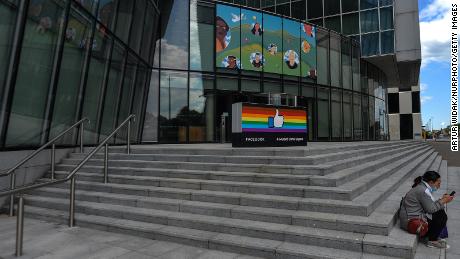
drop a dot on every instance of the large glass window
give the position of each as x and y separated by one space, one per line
226 83
7 23
355 66
201 109
373 124
333 23
248 85
124 18
387 41
365 118
173 107
323 57
138 99
323 114
72 67
369 21
137 25
174 44
201 39
386 18
370 44
94 86
357 118
335 60
106 13
127 91
347 115
150 28
314 9
109 112
33 78
298 10
350 23
350 5
366 4
336 114
150 132
346 64
331 7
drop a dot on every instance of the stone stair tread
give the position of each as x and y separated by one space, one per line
229 150
271 158
349 171
212 240
200 163
155 178
169 216
377 219
190 171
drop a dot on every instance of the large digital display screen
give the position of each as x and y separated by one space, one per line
267 125
228 24
255 41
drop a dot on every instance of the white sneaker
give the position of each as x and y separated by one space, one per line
437 244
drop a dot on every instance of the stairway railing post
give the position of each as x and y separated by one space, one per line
20 226
12 185
106 163
72 203
53 161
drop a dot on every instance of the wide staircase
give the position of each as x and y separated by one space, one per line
329 200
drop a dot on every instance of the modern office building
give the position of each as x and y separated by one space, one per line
63 60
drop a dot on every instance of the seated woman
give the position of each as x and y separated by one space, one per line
419 203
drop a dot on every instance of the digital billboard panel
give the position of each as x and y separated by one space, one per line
251 40
291 47
256 41
273 42
308 50
228 24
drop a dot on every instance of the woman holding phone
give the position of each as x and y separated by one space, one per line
419 208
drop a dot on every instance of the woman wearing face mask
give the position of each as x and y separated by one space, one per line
420 203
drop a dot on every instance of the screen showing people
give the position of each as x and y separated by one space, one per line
250 40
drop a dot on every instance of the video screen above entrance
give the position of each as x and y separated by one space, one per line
256 41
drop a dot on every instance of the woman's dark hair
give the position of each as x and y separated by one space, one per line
428 176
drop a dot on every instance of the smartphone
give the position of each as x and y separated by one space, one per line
452 193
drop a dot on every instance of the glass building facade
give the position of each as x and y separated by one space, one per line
63 60
188 94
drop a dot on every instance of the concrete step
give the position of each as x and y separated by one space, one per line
228 150
377 223
248 159
248 228
196 174
232 167
363 205
345 192
224 242
348 174
332 180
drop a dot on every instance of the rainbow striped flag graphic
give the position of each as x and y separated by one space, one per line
266 119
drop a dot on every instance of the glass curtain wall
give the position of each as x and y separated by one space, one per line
369 21
72 59
186 89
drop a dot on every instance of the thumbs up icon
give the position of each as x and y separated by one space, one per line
277 121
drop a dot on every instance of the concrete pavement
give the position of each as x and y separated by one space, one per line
46 240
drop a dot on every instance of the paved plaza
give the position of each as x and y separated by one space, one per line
46 240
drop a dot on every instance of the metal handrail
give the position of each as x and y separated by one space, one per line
71 177
33 154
